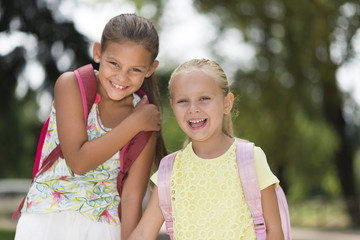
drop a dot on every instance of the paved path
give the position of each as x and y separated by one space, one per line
318 234
308 234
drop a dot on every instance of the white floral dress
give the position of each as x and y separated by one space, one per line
93 194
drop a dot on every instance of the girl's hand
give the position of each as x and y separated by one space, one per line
151 221
147 115
82 154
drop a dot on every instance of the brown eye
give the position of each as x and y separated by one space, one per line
114 64
136 70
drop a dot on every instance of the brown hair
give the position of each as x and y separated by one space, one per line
213 69
133 28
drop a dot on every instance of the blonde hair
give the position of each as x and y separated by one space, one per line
213 69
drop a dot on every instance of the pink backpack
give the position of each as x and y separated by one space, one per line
87 82
250 184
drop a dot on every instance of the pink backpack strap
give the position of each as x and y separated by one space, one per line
284 213
87 82
130 152
250 185
39 147
141 94
164 178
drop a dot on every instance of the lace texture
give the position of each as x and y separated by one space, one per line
207 198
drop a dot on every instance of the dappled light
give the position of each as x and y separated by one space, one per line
283 58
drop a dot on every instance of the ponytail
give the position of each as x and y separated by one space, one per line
152 91
130 27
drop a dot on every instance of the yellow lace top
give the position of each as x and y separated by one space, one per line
207 197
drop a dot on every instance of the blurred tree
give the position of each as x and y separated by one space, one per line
58 47
290 103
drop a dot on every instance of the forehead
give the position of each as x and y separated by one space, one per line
131 51
194 81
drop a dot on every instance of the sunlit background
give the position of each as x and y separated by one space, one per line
293 65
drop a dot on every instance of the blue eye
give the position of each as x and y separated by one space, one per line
204 98
182 101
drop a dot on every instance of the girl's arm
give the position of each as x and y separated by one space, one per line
134 188
82 155
151 222
271 214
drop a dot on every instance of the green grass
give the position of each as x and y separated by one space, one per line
7 235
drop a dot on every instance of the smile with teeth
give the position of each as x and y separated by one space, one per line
197 123
117 86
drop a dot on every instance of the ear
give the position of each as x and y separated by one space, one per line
152 68
228 102
97 52
171 103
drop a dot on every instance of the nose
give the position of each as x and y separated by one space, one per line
193 108
121 75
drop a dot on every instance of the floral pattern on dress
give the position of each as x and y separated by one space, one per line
93 194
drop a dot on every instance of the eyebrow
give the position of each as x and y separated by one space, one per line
135 66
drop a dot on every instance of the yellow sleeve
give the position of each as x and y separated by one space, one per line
154 178
264 173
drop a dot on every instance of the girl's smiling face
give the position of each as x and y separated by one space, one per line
199 105
123 68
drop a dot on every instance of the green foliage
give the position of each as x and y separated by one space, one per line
7 235
290 93
174 137
357 168
55 38
290 103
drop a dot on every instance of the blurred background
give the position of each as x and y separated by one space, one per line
293 65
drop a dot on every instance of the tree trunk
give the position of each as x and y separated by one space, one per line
344 155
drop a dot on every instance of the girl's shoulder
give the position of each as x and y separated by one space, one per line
85 75
67 95
66 86
66 80
258 151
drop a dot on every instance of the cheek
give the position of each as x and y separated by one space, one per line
105 71
218 111
137 78
179 114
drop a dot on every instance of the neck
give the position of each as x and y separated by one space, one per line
212 149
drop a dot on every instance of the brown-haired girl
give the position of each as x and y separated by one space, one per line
77 197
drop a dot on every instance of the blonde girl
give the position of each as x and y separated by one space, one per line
206 193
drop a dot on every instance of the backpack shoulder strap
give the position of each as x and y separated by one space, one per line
164 178
129 154
39 147
284 212
250 185
87 82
